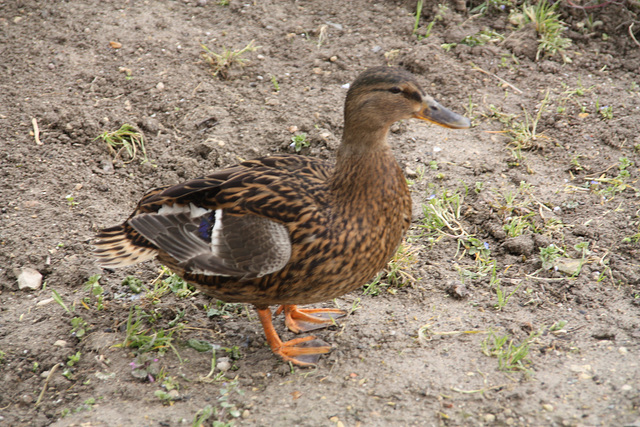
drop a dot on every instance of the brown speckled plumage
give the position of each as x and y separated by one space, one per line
288 229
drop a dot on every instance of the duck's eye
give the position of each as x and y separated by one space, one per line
395 90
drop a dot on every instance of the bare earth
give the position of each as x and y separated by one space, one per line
413 353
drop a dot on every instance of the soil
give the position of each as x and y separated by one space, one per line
419 352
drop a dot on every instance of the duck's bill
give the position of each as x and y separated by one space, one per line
433 112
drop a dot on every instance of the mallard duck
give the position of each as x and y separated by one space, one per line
288 229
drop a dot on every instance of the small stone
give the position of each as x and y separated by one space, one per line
333 58
272 101
567 266
45 302
223 364
293 129
623 350
174 394
27 399
410 172
115 45
30 279
626 387
44 374
317 70
489 418
457 290
246 414
604 334
60 343
160 86
547 407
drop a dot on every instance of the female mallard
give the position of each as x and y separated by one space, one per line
287 229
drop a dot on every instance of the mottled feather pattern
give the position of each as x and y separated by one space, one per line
287 229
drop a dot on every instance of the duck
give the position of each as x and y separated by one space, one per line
289 230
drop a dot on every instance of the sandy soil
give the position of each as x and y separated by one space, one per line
419 352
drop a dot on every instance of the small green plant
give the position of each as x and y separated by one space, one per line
57 298
549 255
146 340
418 15
517 225
482 37
396 273
73 359
299 141
79 327
524 134
490 5
223 2
274 82
96 290
442 215
145 367
127 139
549 28
221 63
71 201
511 356
442 10
223 309
606 112
616 184
3 357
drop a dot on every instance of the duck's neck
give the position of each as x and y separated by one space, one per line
365 168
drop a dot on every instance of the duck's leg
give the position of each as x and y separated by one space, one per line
308 319
303 351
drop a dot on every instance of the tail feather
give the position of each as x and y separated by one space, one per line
121 246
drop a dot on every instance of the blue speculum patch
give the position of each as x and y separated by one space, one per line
206 224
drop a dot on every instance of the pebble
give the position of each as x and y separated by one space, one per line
626 387
547 407
30 279
410 172
246 414
623 350
60 343
44 302
160 86
174 394
223 364
489 418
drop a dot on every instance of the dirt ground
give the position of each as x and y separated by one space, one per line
544 253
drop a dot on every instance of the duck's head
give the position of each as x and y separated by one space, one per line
381 96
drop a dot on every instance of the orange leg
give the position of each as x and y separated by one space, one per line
303 351
308 319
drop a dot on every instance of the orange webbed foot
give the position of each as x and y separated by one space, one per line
304 351
309 319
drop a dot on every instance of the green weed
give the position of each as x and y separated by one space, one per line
274 82
126 139
482 37
396 273
300 141
96 290
442 10
549 28
146 339
511 356
71 201
57 298
221 63
442 215
549 255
